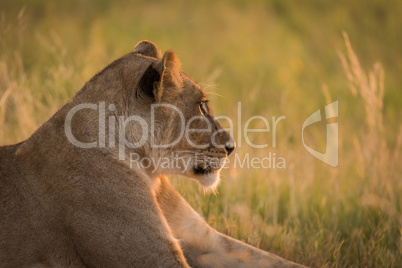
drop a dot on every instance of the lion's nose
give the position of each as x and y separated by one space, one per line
230 146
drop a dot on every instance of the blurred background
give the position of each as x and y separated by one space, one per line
277 58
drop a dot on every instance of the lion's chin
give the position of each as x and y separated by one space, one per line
209 181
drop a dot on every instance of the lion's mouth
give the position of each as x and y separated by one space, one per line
198 170
208 165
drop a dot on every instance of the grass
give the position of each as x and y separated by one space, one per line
277 58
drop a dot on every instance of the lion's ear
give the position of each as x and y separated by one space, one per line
147 48
170 82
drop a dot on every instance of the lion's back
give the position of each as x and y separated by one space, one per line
12 195
12 199
9 170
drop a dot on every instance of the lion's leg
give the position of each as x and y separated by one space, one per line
202 245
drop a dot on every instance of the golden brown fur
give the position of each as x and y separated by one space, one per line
62 205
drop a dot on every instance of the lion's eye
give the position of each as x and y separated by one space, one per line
203 107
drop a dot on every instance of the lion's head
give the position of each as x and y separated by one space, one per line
157 116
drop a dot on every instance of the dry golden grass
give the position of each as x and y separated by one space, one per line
256 53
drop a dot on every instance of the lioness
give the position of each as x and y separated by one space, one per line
75 195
